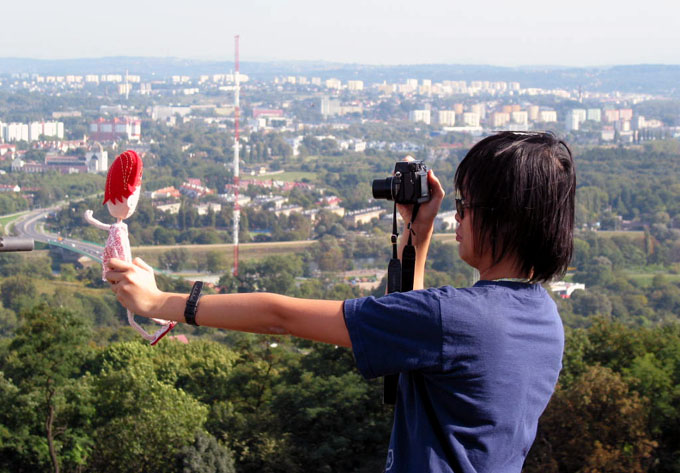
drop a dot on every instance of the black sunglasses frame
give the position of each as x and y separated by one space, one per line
461 206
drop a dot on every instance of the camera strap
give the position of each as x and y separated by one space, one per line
400 276
408 256
394 267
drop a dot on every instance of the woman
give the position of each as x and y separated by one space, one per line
477 365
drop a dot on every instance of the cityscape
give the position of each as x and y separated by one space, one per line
442 115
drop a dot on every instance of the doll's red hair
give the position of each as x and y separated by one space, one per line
124 177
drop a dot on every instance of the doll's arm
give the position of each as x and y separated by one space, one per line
93 221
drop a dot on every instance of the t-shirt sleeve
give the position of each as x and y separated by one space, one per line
395 333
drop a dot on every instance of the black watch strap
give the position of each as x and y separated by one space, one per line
192 303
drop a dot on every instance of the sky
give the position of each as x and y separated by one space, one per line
493 32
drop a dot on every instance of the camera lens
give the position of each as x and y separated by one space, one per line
382 188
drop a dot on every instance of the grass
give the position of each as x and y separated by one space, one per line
293 176
247 251
645 278
49 287
5 220
637 234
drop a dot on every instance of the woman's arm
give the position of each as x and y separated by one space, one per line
323 321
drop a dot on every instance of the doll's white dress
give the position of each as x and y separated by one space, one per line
117 246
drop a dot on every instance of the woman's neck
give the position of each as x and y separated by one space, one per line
505 269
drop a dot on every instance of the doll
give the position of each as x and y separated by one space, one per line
123 186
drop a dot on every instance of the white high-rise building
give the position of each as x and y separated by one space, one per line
547 116
53 129
35 129
333 83
330 107
520 118
112 78
574 118
447 117
499 119
16 132
479 109
419 116
594 114
533 112
471 119
355 85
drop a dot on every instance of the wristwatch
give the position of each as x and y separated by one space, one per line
192 303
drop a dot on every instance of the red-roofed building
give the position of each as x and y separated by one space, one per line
330 201
165 193
267 112
7 148
194 188
10 188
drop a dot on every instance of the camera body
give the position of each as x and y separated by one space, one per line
407 186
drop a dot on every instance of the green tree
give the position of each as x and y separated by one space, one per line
206 455
216 261
597 424
329 255
174 260
18 292
51 405
142 420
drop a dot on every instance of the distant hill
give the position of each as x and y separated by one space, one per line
652 78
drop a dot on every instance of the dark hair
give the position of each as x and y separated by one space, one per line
521 188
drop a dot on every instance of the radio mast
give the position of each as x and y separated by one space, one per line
237 208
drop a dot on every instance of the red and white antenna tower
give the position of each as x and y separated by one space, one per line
237 208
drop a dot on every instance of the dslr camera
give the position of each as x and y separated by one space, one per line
407 186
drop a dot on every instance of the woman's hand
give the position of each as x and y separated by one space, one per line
135 286
424 223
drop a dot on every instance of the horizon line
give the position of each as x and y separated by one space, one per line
337 63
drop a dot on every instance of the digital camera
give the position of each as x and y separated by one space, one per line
407 186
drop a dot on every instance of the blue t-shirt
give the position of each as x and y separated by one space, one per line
486 358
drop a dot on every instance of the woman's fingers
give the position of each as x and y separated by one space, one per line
435 185
142 264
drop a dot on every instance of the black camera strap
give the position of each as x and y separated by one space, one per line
408 256
400 276
394 267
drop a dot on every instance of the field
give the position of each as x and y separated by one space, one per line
645 278
247 251
635 234
293 176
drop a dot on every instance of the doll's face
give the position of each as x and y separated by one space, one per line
125 208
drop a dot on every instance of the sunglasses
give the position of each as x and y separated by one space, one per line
461 205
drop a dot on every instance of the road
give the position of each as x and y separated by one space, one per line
31 225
